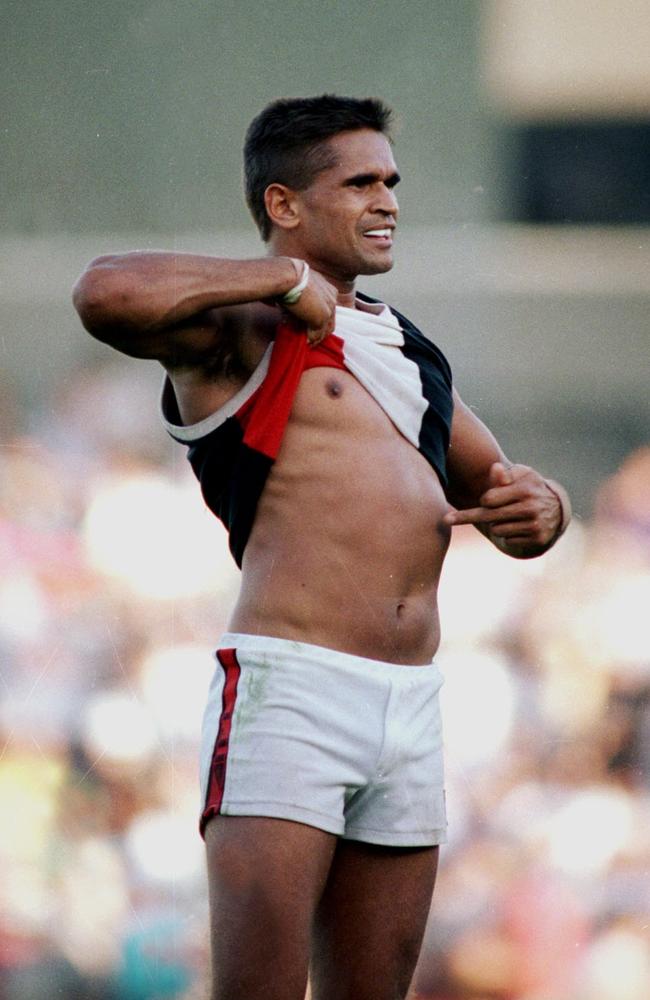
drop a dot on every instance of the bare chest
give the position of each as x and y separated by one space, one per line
339 436
331 399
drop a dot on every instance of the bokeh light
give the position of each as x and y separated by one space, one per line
174 683
478 704
117 727
156 538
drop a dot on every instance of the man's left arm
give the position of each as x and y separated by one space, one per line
515 507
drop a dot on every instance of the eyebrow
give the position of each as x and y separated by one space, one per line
370 178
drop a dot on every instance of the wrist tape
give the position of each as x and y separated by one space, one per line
291 297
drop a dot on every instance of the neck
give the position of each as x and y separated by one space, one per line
346 293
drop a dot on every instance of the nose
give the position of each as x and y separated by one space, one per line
387 201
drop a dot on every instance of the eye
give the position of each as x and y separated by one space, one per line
361 181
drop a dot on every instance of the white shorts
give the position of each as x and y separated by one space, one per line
349 745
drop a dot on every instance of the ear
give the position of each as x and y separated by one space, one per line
282 206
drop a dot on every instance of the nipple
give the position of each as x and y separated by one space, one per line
333 388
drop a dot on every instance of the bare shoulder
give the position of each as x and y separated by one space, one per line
210 362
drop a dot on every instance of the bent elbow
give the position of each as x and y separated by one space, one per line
99 296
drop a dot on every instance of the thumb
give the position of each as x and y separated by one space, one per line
499 475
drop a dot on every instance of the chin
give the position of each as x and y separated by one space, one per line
358 265
375 263
376 266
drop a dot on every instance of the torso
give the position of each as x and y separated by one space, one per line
347 545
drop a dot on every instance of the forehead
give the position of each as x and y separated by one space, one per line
362 151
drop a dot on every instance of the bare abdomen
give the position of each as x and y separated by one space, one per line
347 545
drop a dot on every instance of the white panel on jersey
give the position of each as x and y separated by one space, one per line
372 342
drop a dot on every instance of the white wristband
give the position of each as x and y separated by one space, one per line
291 297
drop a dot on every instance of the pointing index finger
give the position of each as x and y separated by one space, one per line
473 515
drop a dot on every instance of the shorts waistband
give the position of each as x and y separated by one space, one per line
321 654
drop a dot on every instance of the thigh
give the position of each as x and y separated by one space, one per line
370 921
265 878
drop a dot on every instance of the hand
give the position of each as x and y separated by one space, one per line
518 508
316 307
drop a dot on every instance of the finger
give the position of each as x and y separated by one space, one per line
475 515
487 515
317 336
501 496
499 475
514 530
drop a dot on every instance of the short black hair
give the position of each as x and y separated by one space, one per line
286 143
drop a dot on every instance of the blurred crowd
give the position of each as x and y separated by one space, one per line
115 584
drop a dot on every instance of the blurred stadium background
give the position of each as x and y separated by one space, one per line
524 251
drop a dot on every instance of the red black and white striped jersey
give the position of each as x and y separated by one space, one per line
232 450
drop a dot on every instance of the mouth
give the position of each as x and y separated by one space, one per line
382 236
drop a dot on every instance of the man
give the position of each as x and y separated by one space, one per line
320 426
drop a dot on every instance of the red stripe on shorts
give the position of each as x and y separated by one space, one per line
217 780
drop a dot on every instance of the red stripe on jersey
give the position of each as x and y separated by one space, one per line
217 780
264 416
327 354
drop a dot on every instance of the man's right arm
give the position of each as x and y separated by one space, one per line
153 304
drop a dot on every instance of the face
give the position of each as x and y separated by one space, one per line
348 214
